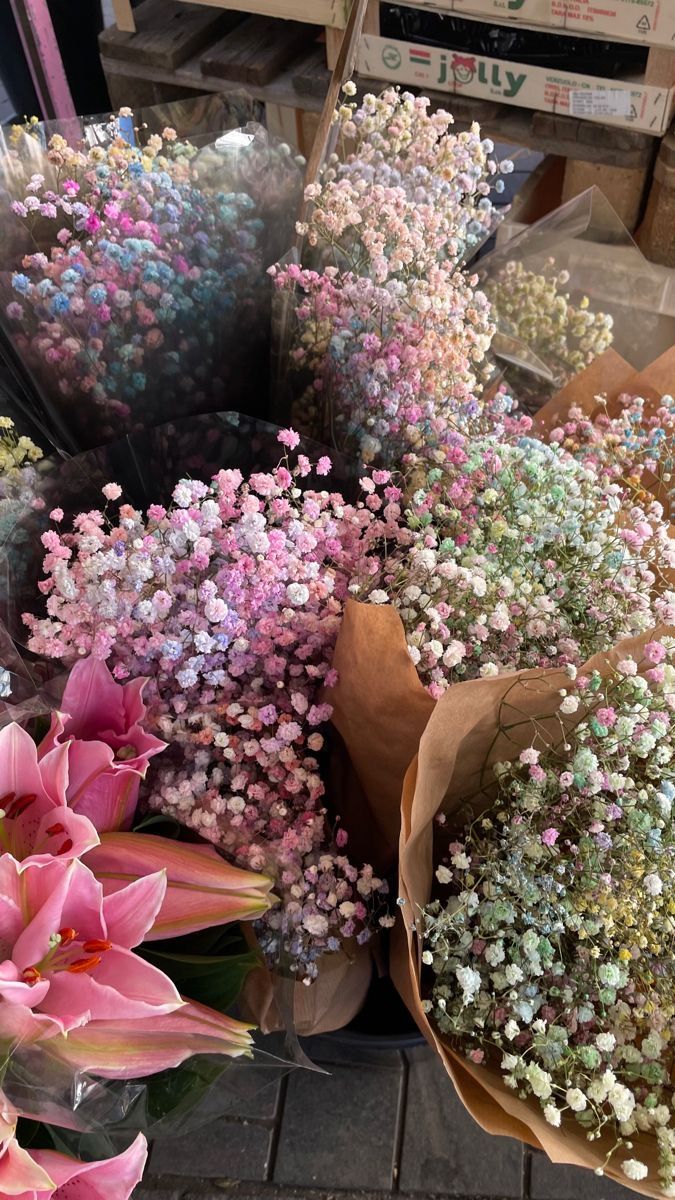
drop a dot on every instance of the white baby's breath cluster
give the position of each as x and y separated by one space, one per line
551 955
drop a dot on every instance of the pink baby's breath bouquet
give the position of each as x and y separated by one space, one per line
388 332
229 600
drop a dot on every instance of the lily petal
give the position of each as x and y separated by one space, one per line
135 1049
109 1179
203 889
21 1176
122 986
21 773
131 912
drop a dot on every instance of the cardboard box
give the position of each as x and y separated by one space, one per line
610 101
651 22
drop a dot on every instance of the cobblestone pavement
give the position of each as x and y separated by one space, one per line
377 1124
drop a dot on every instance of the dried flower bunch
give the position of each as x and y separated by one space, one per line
489 557
533 307
144 285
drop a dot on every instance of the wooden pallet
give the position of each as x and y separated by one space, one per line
148 68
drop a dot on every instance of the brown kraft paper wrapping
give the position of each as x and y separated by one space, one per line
657 380
607 375
330 1002
380 710
460 743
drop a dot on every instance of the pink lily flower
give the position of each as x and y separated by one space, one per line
109 749
47 1175
135 1049
109 1179
202 888
35 822
67 949
20 1175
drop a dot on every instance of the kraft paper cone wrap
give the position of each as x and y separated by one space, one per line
655 381
330 1002
607 375
380 710
461 741
611 377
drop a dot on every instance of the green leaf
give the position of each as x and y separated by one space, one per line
172 1095
213 980
168 826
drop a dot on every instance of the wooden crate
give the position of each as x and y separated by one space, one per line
332 13
649 22
618 160
654 24
647 104
656 236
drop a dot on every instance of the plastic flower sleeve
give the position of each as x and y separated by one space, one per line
133 276
89 1115
567 289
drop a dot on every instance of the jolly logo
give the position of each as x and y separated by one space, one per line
462 68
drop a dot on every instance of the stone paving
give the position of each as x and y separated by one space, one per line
377 1123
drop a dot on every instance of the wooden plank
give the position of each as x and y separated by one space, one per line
41 48
371 24
660 71
655 235
623 186
124 15
284 123
189 75
167 33
315 12
344 69
256 50
311 78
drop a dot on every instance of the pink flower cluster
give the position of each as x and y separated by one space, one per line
230 602
634 446
394 366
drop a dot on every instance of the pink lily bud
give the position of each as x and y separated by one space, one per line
202 888
108 748
135 1049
